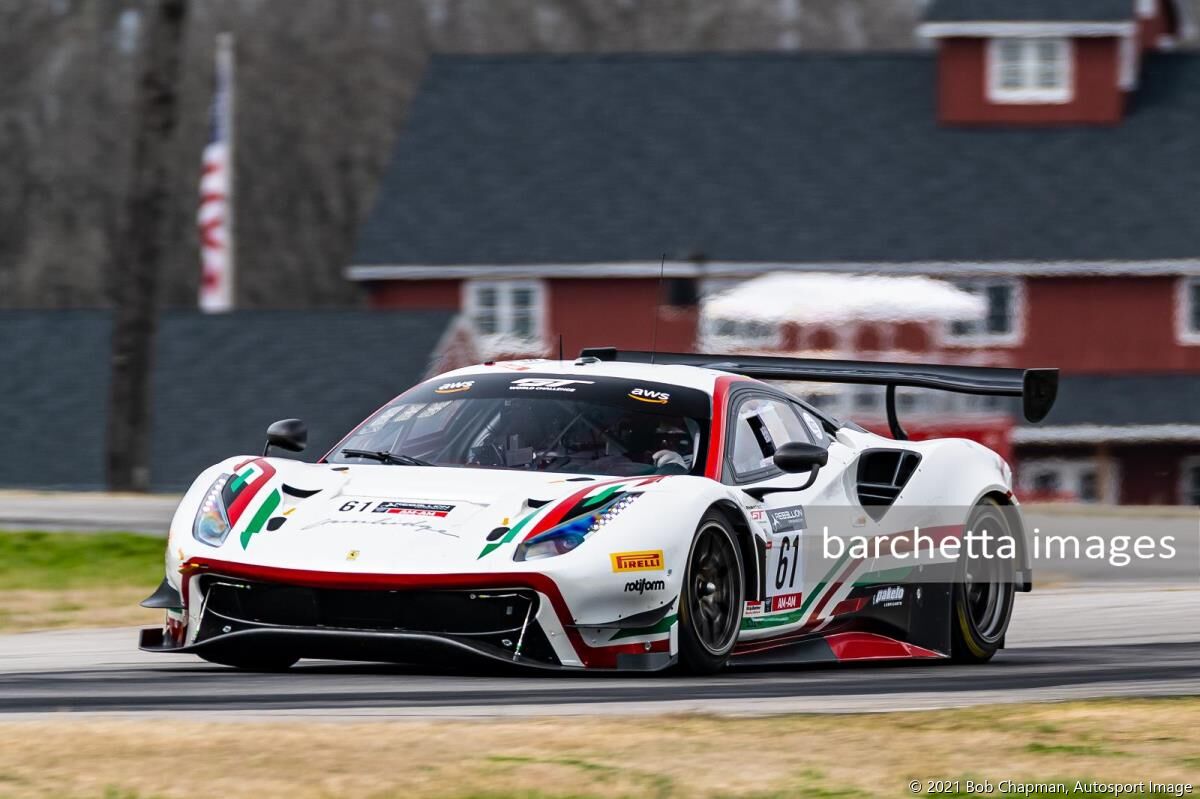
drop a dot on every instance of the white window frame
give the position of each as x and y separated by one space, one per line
715 340
504 308
1030 92
1070 470
1185 467
1016 332
1184 311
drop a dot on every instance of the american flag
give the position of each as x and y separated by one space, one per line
216 191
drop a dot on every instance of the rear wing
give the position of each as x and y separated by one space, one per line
1037 388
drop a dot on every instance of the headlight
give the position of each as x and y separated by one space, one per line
212 522
570 534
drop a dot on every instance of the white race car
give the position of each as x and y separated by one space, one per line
625 510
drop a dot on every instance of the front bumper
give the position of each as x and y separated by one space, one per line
428 619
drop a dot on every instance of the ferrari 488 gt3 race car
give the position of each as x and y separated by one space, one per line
624 510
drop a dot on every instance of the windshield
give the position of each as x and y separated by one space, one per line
551 423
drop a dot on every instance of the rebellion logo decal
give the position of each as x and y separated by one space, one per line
414 508
787 520
454 388
652 397
649 561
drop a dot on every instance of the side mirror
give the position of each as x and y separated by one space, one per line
798 457
289 434
794 458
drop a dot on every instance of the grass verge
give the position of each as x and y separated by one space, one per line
50 580
666 757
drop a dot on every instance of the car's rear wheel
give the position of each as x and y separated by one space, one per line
983 597
254 661
710 607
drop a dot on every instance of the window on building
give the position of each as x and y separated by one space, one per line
1190 489
1086 480
1000 321
733 333
1030 70
1189 310
505 308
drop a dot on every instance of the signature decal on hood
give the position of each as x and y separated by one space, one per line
418 525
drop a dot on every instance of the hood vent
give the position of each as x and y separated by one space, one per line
882 474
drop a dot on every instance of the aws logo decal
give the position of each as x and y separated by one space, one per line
454 388
653 397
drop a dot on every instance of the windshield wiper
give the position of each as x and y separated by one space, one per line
386 457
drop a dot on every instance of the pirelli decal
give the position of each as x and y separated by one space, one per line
649 561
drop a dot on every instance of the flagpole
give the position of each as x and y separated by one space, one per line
227 61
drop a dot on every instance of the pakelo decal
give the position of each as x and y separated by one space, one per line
889 597
648 561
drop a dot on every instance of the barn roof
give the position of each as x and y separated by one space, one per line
785 158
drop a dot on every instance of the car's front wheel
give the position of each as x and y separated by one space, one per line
710 607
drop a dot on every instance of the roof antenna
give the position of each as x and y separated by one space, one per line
662 269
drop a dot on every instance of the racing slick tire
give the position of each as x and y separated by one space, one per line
982 599
710 605
253 661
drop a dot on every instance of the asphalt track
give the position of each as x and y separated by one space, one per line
1083 642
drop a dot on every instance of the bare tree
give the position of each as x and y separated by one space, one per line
141 246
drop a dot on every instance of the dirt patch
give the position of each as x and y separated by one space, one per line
664 757
22 610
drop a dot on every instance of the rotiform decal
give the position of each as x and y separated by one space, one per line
642 585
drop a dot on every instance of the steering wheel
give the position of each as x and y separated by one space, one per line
548 460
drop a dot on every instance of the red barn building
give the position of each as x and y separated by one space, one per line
1044 155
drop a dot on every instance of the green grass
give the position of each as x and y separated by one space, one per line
1082 750
56 561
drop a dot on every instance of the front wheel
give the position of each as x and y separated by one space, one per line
983 596
710 607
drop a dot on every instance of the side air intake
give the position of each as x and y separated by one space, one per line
882 474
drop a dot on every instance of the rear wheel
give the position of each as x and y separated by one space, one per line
983 596
254 661
710 609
